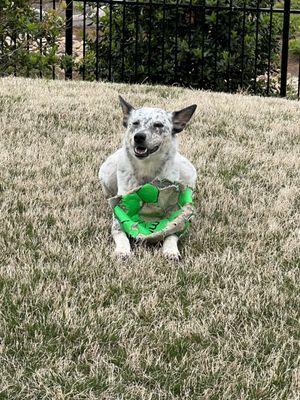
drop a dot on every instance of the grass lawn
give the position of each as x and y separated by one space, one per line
76 324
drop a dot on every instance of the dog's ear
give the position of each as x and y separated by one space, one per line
182 117
126 108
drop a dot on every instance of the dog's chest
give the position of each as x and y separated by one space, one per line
146 173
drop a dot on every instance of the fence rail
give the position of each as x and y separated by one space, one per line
225 45
286 12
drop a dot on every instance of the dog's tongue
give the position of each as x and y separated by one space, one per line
141 150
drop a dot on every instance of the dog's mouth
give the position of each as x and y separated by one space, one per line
143 152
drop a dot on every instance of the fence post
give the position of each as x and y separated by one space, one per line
285 47
69 39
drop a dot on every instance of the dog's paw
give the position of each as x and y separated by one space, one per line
122 254
172 255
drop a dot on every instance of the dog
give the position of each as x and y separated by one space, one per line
149 151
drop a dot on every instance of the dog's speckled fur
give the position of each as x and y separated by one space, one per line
124 171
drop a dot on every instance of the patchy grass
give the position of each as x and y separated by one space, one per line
76 324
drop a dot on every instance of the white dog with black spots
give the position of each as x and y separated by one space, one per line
149 151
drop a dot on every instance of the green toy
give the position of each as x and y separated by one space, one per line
155 210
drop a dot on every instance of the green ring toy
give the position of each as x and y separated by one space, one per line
155 210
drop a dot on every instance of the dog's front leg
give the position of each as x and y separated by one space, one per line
170 249
123 249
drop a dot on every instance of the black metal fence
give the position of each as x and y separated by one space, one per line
213 44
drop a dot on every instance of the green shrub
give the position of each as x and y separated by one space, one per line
294 44
295 19
295 47
185 62
28 45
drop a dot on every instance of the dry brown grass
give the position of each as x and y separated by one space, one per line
75 324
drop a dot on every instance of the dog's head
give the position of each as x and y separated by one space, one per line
152 130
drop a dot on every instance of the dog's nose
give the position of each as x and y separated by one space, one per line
139 137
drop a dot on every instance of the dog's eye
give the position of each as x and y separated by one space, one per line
158 125
136 123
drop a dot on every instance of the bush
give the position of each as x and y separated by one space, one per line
295 47
295 19
27 44
184 61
